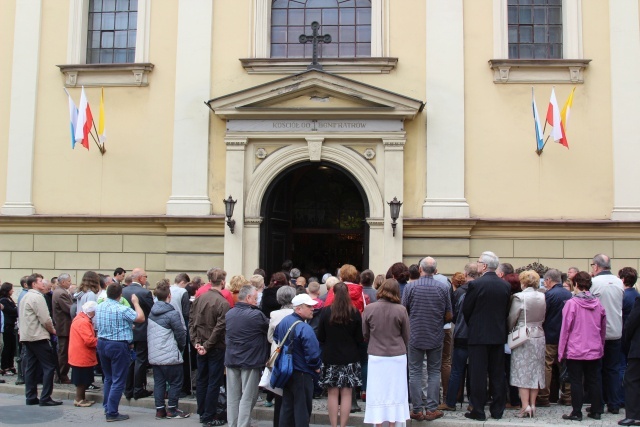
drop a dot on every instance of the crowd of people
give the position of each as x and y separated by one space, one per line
411 343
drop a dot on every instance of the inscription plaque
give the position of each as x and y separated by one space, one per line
346 125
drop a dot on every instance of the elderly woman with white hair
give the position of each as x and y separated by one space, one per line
82 352
285 295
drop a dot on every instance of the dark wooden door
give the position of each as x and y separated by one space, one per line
315 216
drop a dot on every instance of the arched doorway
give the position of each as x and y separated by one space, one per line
314 214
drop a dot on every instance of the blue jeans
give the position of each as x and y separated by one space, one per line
416 372
162 375
611 384
115 358
458 368
210 371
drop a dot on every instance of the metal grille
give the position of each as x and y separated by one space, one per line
347 21
111 36
535 29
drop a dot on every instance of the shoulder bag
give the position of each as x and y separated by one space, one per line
519 335
283 365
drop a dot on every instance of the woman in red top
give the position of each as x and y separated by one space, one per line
82 352
348 274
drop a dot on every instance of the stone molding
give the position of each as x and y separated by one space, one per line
253 222
382 65
538 70
315 148
282 159
375 222
98 75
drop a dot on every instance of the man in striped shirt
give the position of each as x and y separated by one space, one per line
429 306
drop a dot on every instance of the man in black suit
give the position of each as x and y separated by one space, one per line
485 309
137 376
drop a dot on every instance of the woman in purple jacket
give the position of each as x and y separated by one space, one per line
584 325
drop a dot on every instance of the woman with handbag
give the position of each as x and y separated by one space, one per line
340 333
527 341
581 344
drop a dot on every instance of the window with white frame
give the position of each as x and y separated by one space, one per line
535 29
108 43
348 22
537 41
112 31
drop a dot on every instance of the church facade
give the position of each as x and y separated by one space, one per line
427 103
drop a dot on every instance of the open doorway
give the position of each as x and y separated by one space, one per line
314 214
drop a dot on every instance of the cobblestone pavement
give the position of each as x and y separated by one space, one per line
13 411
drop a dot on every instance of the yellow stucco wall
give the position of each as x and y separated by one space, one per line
504 177
134 176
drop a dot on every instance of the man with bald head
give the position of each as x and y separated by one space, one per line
137 378
428 304
609 289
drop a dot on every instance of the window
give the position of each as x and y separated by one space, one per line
111 31
347 21
535 29
537 41
108 43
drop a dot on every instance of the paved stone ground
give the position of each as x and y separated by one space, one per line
13 411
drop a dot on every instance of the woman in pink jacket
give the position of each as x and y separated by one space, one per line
584 324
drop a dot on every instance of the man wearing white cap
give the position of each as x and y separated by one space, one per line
297 394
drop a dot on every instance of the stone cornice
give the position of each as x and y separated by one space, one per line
98 75
331 65
538 70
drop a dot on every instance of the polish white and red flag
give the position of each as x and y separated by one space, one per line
85 121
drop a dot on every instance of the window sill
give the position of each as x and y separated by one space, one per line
332 65
538 70
97 75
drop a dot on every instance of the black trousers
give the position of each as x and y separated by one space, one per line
297 401
137 377
38 354
632 389
590 371
485 359
186 367
9 351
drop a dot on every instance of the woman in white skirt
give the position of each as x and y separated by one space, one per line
385 324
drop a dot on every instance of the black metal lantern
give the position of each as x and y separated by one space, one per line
394 208
229 204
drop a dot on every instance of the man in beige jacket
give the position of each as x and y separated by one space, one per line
36 328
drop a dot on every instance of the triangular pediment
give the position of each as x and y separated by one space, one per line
314 94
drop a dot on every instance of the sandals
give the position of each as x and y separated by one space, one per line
83 403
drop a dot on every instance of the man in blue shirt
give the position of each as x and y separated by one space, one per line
297 395
555 298
115 335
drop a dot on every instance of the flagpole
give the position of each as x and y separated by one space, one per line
96 141
545 143
100 147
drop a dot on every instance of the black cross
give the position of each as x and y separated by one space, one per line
315 39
